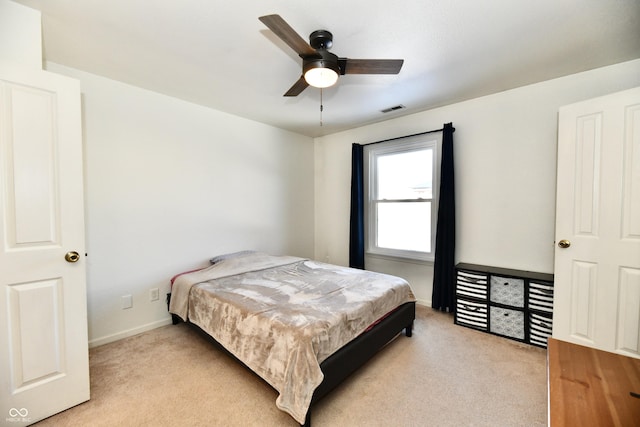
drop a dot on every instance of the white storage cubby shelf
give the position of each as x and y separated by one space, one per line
511 303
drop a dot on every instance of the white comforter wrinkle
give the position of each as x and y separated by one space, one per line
255 261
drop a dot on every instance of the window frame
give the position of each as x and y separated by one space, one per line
431 141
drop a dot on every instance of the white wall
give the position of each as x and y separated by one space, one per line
168 185
505 165
20 35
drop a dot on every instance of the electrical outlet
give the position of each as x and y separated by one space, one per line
154 294
127 301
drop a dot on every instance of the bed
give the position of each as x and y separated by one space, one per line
301 325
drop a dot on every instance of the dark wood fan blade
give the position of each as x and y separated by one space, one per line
371 66
288 35
297 87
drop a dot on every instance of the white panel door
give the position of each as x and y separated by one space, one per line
597 260
44 366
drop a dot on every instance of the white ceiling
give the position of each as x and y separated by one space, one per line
216 52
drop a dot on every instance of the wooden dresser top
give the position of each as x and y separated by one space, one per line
590 387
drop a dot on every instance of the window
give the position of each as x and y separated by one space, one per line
401 192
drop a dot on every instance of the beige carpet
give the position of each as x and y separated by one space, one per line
445 375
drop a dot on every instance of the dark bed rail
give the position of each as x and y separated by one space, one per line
337 367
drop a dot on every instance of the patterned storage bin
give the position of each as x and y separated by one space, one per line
504 321
507 291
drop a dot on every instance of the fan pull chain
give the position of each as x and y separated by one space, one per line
321 107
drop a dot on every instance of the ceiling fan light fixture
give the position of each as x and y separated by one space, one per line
321 77
321 71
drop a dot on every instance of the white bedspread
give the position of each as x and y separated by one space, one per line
282 316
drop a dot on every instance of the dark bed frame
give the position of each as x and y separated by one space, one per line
337 367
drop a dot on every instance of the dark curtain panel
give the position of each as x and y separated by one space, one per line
356 225
444 276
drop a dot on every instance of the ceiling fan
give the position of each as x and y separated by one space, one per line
320 68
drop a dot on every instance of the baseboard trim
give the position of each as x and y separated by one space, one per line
128 333
424 302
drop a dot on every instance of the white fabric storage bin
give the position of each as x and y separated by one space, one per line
541 296
471 284
540 328
472 314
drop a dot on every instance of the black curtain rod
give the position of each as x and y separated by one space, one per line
406 136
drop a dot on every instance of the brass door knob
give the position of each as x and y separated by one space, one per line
72 256
564 244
